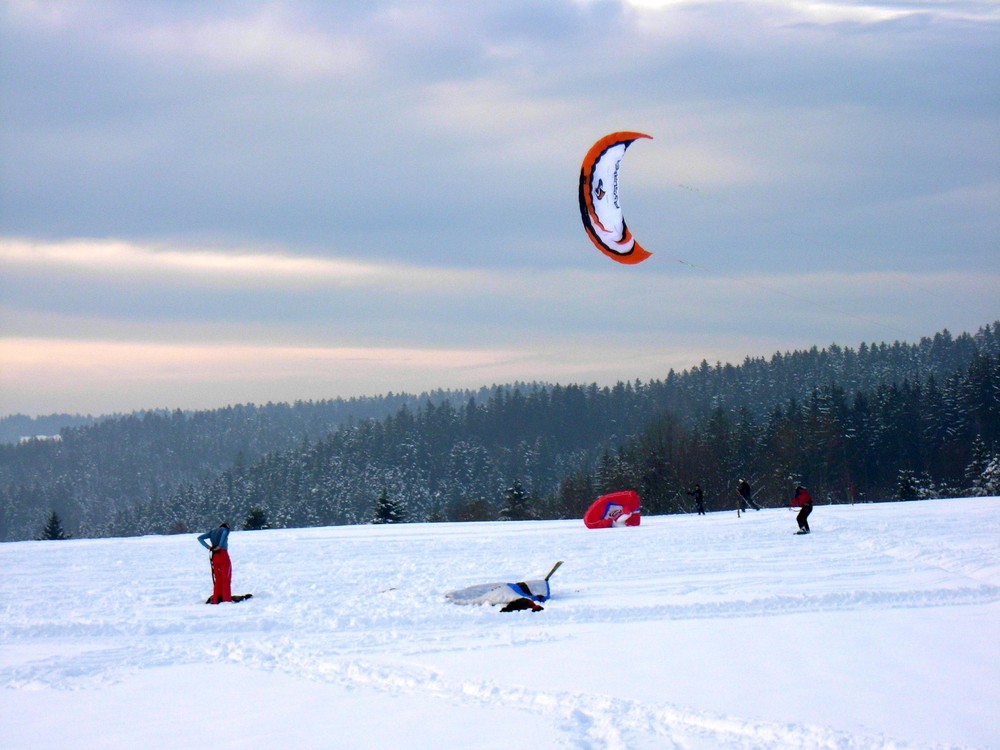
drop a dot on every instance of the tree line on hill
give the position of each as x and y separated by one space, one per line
881 422
91 467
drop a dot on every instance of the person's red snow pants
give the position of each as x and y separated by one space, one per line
222 577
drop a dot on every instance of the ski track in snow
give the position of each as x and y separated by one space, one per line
382 605
589 721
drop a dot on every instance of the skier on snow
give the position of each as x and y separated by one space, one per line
802 500
216 541
743 488
699 498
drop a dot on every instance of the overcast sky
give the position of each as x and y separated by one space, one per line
214 203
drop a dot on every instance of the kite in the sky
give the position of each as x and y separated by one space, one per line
599 205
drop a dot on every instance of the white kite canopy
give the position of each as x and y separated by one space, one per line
526 593
600 207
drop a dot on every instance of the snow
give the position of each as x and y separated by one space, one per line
881 629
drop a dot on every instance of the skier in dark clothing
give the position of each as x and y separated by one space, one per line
743 488
804 501
699 498
216 541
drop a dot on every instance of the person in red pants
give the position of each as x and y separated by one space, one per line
216 541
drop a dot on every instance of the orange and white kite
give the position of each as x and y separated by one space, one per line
599 205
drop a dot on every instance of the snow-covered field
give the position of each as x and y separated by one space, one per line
881 629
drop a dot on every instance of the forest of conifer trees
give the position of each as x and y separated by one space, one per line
877 423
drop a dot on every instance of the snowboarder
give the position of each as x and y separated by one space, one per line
699 498
216 541
743 488
804 501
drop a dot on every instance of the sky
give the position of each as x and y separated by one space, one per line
213 203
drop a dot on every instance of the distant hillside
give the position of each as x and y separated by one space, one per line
99 465
455 455
18 427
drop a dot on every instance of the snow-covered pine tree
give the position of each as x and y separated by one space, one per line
913 486
517 504
53 529
387 510
926 489
976 468
906 485
988 483
256 519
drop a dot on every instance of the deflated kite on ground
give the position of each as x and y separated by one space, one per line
514 596
599 205
615 509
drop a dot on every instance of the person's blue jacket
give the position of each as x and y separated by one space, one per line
218 537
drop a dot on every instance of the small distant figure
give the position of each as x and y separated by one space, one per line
743 488
699 498
804 501
216 541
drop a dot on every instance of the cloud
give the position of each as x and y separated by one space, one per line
269 297
842 11
245 38
103 376
100 376
111 259
270 39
